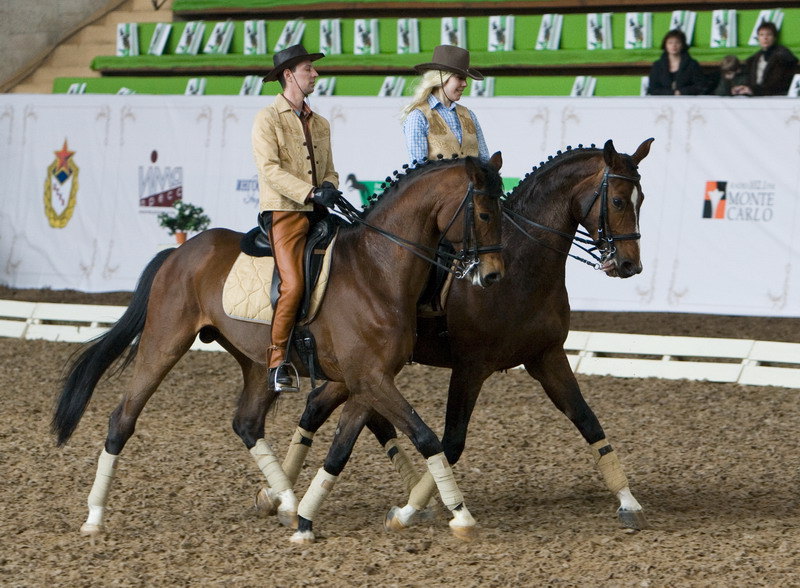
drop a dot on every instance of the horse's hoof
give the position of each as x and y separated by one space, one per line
632 519
392 521
265 505
288 518
464 533
91 530
303 537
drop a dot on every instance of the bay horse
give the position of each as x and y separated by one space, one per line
524 320
364 329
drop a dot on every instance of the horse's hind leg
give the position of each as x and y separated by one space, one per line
248 423
153 361
558 381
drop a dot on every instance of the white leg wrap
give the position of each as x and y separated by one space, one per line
402 464
268 464
420 495
445 481
296 455
320 487
106 465
610 468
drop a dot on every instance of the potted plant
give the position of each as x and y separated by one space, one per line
185 218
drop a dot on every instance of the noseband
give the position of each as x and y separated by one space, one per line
604 243
460 263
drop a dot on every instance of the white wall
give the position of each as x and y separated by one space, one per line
744 263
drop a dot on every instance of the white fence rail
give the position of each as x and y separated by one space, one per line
763 363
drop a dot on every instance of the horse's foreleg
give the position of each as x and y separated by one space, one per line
351 422
399 413
558 381
248 423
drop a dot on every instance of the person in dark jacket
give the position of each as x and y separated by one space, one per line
676 73
731 74
770 71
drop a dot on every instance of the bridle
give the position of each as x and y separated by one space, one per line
460 263
605 242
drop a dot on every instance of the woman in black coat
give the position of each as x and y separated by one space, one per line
675 73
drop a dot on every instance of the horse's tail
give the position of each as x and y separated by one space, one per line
84 370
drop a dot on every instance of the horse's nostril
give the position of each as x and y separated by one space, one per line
628 269
491 278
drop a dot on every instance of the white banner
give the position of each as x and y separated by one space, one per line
83 178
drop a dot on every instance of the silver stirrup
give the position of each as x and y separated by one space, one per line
285 387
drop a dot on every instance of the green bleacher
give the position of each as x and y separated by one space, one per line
523 71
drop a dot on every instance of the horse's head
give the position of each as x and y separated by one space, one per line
611 212
471 220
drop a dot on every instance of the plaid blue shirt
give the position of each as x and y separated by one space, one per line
415 128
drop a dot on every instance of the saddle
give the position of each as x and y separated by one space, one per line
244 294
255 243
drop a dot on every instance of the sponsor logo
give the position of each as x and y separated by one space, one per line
61 188
749 201
249 189
159 186
360 191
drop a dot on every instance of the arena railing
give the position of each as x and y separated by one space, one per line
763 363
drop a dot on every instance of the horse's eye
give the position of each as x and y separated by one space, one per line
617 202
484 217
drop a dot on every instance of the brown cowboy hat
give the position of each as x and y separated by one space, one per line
450 58
288 58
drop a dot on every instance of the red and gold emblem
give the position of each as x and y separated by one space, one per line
61 188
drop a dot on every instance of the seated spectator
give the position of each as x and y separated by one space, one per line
770 71
731 74
675 73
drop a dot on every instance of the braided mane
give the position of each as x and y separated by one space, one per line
391 185
552 162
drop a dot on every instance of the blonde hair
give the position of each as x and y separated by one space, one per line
428 82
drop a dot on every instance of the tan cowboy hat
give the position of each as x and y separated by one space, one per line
289 57
450 58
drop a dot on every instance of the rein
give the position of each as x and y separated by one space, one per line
605 237
462 262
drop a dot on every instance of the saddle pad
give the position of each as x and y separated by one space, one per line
245 295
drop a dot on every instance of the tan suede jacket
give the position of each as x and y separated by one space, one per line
284 170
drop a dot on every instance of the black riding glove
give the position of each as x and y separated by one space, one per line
326 195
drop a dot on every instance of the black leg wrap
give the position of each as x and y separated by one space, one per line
303 524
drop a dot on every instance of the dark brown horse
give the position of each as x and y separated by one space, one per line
364 329
522 321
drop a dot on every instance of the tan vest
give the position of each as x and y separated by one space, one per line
442 140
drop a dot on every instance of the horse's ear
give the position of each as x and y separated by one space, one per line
496 160
473 171
609 153
642 151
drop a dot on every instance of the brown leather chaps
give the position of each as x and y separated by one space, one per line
288 238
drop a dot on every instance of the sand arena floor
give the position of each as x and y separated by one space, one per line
714 465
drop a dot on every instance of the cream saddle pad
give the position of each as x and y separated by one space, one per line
245 295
